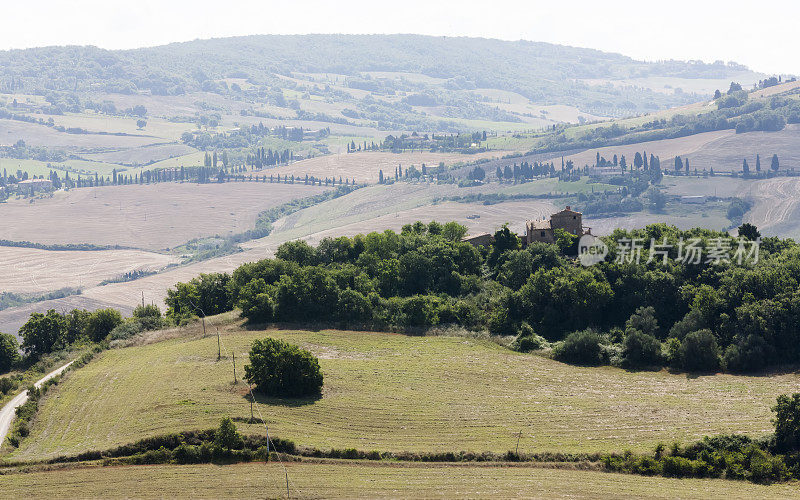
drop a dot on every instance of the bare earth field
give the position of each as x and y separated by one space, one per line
145 216
348 479
27 270
364 166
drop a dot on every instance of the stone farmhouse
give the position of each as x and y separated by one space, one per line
542 230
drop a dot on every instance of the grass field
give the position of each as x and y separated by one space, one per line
364 166
338 479
28 270
145 216
393 392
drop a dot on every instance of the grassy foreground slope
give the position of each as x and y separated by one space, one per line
368 480
391 392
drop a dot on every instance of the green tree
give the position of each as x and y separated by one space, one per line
278 368
644 320
749 231
182 302
9 352
101 322
298 251
787 422
504 240
640 349
699 352
775 164
226 436
44 333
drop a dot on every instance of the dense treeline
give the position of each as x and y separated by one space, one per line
655 311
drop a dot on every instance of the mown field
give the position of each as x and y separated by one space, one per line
151 217
28 270
346 479
392 392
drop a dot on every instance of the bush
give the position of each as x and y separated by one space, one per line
640 349
528 340
644 320
582 348
126 330
101 322
752 354
699 352
282 369
7 384
9 352
149 316
787 422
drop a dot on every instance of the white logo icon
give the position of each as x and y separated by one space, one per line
591 250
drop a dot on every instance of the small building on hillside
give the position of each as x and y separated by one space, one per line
479 240
543 230
30 186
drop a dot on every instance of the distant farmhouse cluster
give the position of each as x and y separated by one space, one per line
543 230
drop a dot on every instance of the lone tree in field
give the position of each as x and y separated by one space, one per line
278 368
141 123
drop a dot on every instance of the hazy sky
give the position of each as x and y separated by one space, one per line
758 34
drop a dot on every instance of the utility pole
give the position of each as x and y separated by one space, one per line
252 417
143 299
219 353
204 326
233 353
519 435
287 482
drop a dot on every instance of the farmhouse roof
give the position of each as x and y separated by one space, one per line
539 224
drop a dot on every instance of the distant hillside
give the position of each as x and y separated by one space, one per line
543 73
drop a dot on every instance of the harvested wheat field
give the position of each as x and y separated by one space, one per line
364 166
150 217
391 392
477 217
727 153
775 205
28 270
350 479
666 149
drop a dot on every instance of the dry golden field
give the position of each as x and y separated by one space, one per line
27 270
726 154
666 149
151 217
